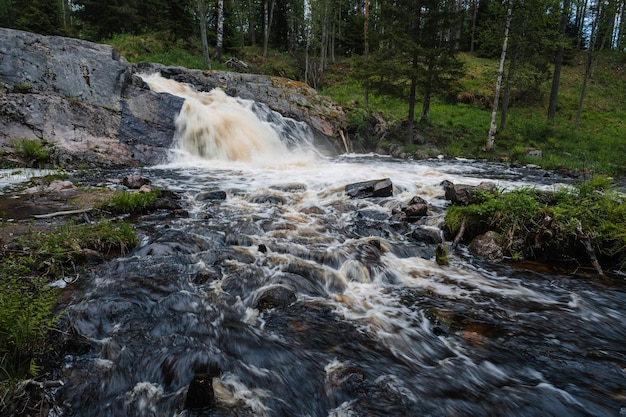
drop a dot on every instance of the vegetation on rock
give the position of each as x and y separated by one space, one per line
582 222
125 202
33 152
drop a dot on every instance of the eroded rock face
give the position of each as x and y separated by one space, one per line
84 99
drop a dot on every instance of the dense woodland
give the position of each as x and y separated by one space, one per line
402 48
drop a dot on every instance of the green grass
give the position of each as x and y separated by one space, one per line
27 300
597 145
125 202
158 48
32 151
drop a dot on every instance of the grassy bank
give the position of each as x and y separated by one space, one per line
460 130
29 263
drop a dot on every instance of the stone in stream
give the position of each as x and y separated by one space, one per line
463 194
486 246
275 297
374 188
416 209
211 195
200 393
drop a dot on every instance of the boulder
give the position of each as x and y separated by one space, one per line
427 235
416 209
463 194
211 195
275 297
486 246
135 182
373 188
200 393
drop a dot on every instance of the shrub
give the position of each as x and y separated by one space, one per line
32 151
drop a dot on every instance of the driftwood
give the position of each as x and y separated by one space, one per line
61 213
459 234
41 384
586 242
345 143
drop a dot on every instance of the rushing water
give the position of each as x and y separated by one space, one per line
376 327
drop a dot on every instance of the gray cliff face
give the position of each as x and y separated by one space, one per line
83 98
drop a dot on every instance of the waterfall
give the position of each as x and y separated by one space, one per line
214 126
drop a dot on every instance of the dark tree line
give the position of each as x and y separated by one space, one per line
406 47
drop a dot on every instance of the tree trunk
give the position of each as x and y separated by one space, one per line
428 90
509 85
491 136
366 47
205 42
588 65
558 63
324 38
267 24
581 13
412 93
220 30
251 22
474 14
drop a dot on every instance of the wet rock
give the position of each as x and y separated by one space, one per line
416 209
486 246
272 199
135 182
166 203
275 297
441 255
200 393
145 189
426 235
211 195
290 188
312 210
463 194
374 188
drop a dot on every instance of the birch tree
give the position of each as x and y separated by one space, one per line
219 48
491 136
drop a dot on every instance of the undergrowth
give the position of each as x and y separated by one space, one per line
28 265
550 224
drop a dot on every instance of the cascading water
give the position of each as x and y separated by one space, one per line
296 300
214 126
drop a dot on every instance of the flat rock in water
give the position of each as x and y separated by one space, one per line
374 188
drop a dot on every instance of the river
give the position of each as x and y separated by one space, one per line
366 323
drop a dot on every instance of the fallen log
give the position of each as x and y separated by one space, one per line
61 213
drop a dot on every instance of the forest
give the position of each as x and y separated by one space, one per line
421 53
